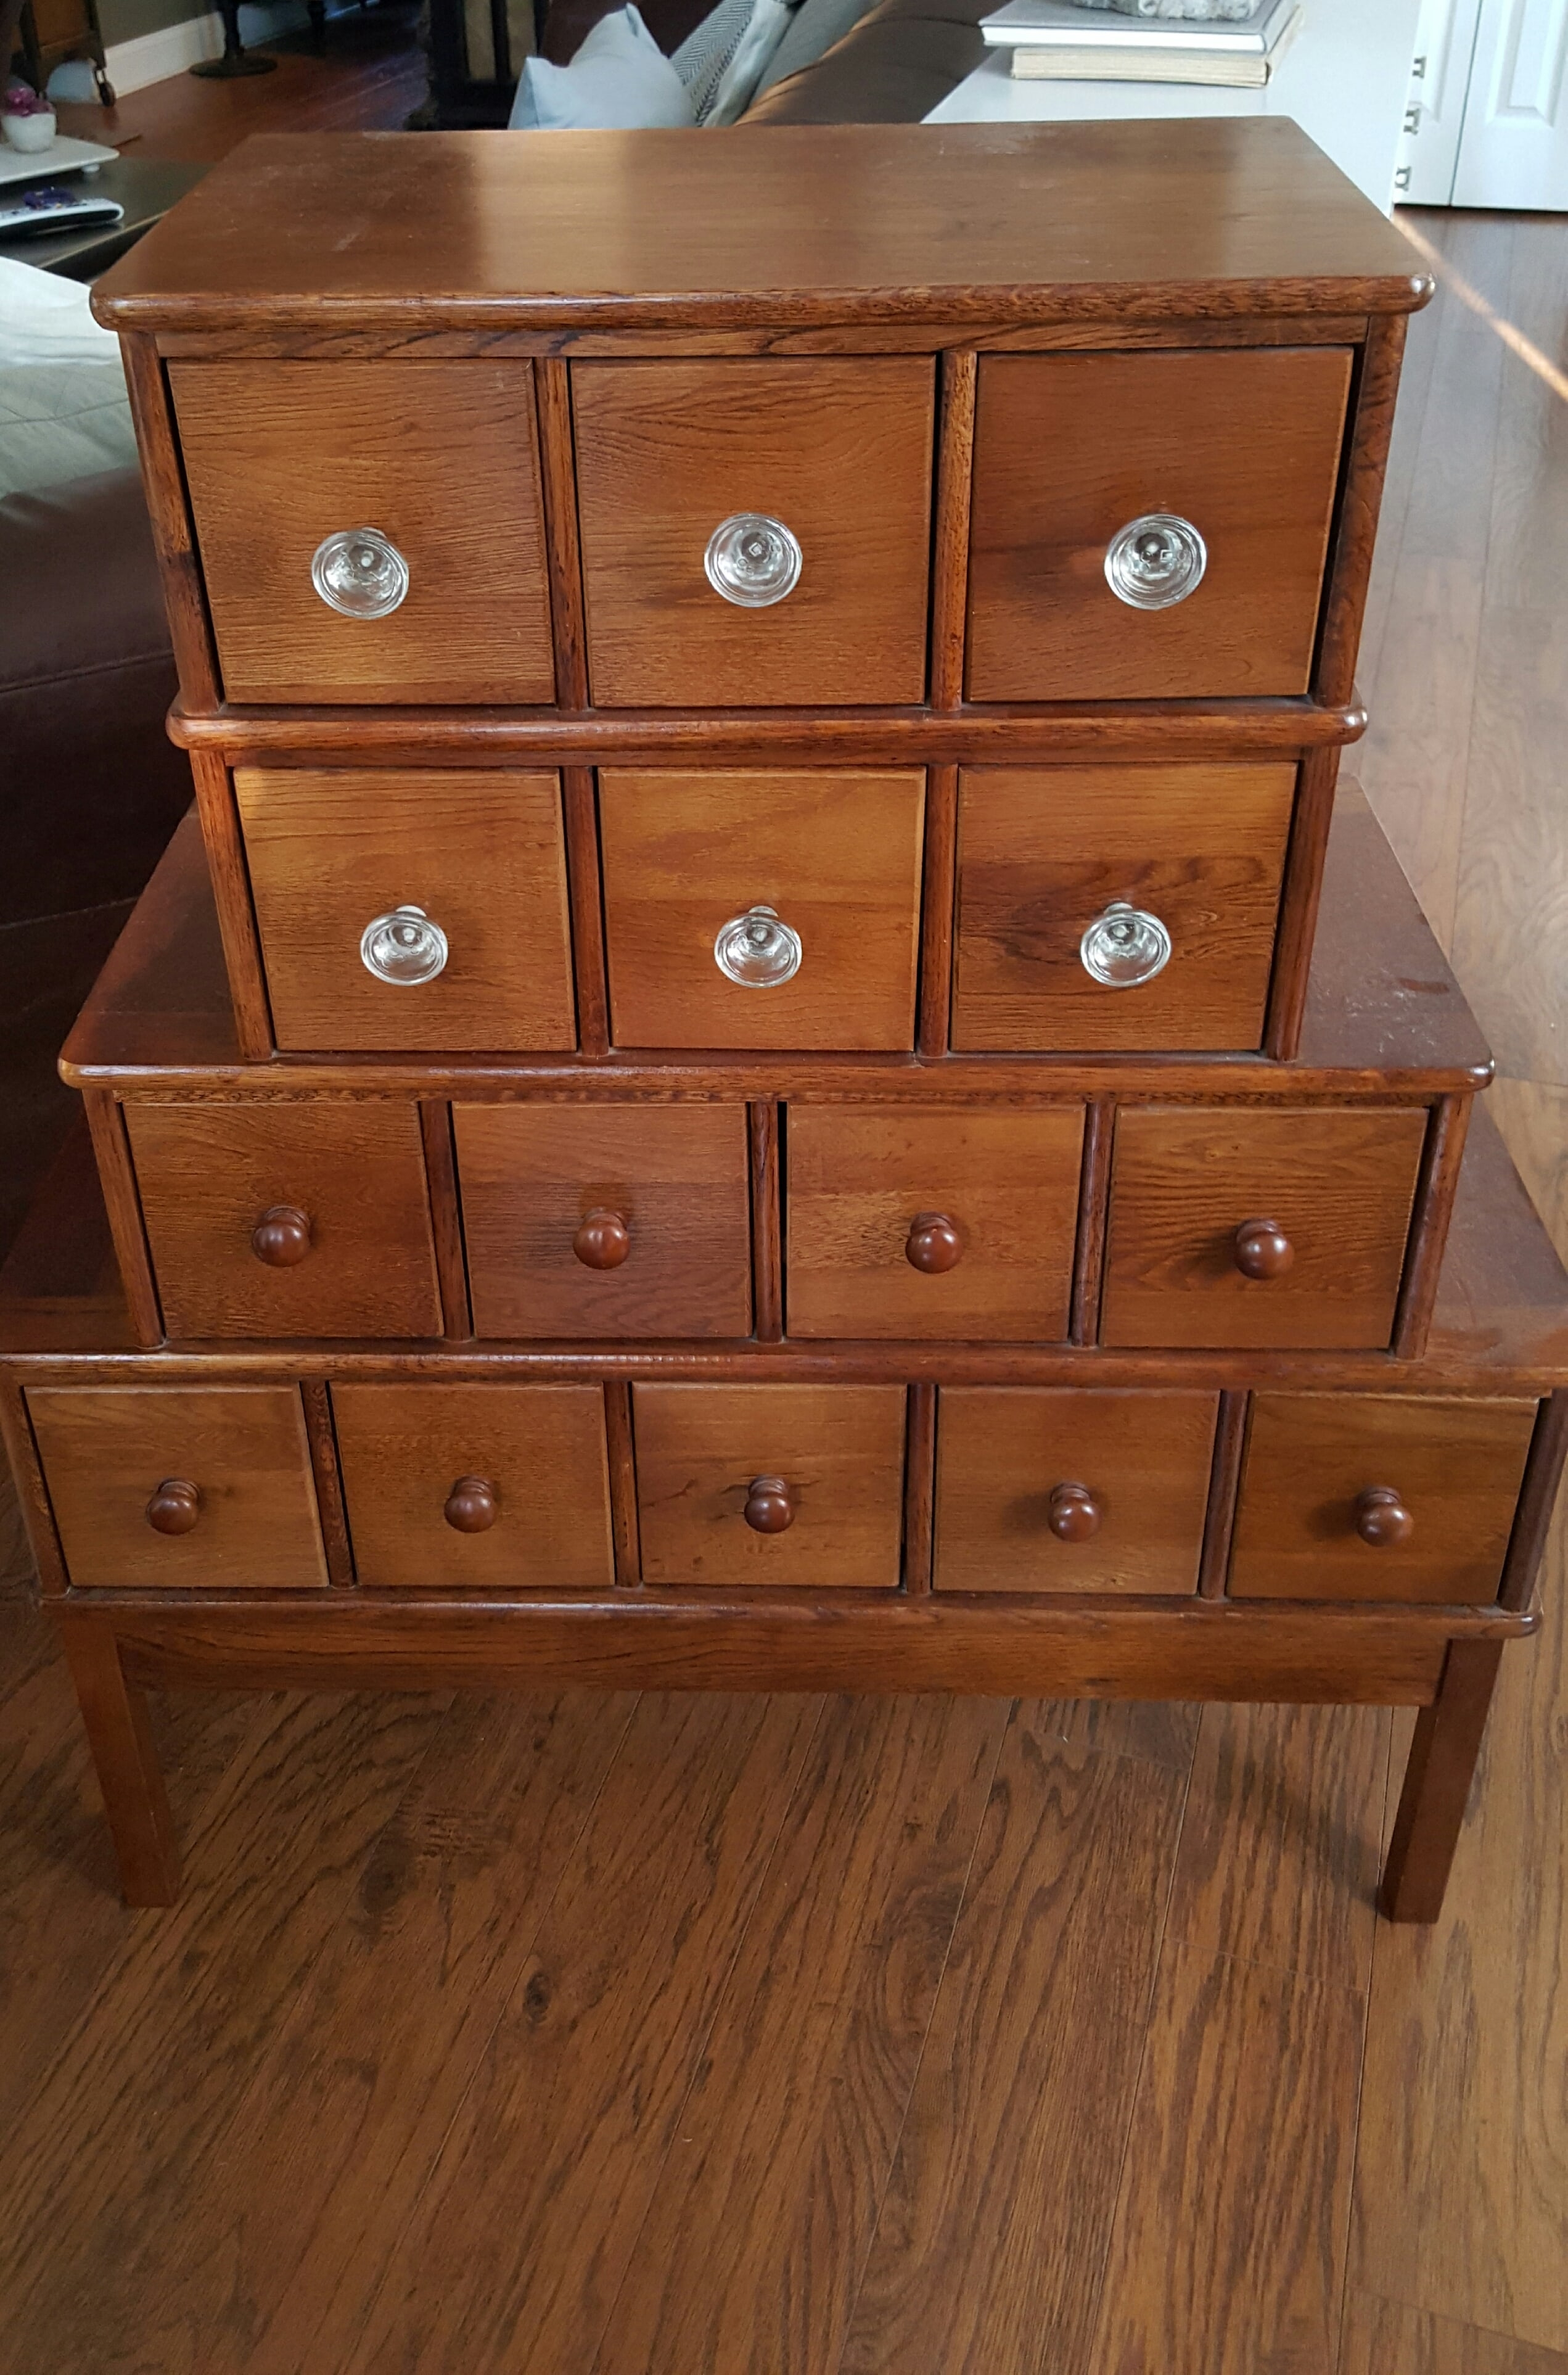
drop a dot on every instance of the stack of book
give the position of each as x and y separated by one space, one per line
1064 40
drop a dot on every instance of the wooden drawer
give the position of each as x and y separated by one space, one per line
1370 1496
705 1454
836 856
837 451
287 1219
1043 855
481 855
917 1223
607 1220
487 1486
1185 1181
1071 449
181 1487
1055 1490
440 456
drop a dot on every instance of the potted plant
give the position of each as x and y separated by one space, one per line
27 120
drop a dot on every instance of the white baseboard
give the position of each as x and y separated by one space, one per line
154 57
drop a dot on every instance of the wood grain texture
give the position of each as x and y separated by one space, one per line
172 535
231 880
1387 2338
1538 1503
1220 1518
1069 448
1437 1185
840 452
1438 1780
1376 383
608 2025
678 1176
991 2232
620 1448
327 1477
1339 1184
840 1450
440 455
446 1220
106 1450
208 1173
1094 1190
1244 2133
949 561
861 1177
481 854
836 856
1001 1453
332 241
767 1223
1299 901
540 1449
1456 1467
123 1204
757 2233
552 392
920 1491
136 1804
1042 854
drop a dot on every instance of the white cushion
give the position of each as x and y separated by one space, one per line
723 60
45 319
620 81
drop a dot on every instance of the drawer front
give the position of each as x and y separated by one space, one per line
174 1487
1070 450
1370 1496
606 1220
284 1220
921 1223
441 458
1047 859
1254 1228
836 856
837 453
820 1470
333 853
1048 1490
497 1487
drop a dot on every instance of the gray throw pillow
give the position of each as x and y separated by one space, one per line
817 25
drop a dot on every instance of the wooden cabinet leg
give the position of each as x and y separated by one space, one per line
120 1736
1437 1784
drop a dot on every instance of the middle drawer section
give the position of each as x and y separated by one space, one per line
1282 1224
1128 909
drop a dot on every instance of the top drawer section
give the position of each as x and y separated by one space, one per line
1151 526
441 598
755 534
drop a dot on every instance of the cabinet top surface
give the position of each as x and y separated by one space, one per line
786 226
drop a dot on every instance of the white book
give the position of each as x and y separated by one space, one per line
1059 24
1248 71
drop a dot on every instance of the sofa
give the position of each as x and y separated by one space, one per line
90 789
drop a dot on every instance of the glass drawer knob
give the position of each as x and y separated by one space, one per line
757 950
1155 561
361 572
404 946
1125 946
752 559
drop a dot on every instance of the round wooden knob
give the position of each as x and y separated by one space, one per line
1263 1250
1073 1514
175 1506
1382 1518
769 1509
281 1238
603 1239
471 1505
932 1244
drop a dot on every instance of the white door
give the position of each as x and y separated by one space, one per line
1440 78
1514 145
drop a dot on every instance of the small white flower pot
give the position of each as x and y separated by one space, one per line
31 134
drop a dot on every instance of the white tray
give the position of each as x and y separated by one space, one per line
62 156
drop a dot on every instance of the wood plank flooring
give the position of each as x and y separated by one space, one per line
794 2037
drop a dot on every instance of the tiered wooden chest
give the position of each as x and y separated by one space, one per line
735 1090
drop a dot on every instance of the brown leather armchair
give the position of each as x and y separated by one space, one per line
91 786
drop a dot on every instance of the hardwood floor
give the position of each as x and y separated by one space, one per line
749 2037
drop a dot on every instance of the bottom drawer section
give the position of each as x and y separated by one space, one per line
181 1487
489 1485
1060 1489
770 1484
